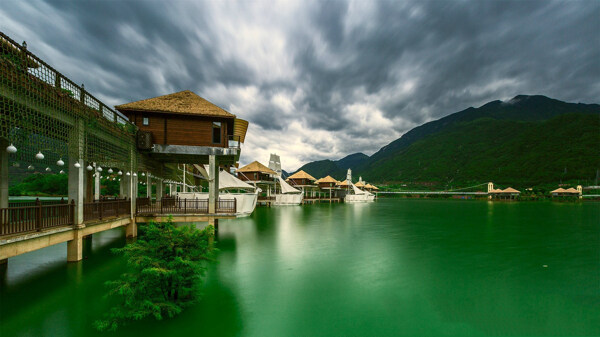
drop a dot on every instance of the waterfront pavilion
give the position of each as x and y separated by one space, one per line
259 175
569 192
508 193
327 184
184 128
303 180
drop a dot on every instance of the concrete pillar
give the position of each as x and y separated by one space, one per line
132 186
121 186
148 185
131 229
76 175
3 173
96 185
159 190
76 183
213 183
75 247
184 182
171 190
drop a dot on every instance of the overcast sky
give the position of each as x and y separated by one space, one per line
319 80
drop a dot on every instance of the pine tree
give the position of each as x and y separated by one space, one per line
167 264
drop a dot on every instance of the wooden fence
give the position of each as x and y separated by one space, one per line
183 206
23 219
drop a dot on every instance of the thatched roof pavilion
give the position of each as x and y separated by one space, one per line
507 193
301 178
327 182
185 128
183 103
256 171
561 192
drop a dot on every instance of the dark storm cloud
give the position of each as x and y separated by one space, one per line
330 78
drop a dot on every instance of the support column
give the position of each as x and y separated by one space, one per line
132 186
123 187
159 190
75 247
149 185
96 184
184 188
213 183
76 179
171 190
3 174
131 229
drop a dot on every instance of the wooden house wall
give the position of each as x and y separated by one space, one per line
300 182
254 176
326 185
172 129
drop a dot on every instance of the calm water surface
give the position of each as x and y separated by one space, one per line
391 268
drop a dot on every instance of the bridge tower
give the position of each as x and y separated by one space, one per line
490 187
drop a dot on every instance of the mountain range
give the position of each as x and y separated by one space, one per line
523 141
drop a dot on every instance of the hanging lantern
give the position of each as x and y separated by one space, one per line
39 156
127 174
60 162
89 167
143 174
99 169
11 148
62 171
120 173
31 168
77 165
134 174
110 171
48 169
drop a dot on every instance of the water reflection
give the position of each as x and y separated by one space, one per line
394 267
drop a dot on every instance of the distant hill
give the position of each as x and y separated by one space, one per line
334 168
526 140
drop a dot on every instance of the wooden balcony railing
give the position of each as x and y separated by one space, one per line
37 217
15 220
183 206
102 209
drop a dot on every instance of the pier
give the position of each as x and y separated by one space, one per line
48 123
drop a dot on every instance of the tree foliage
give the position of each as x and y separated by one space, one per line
41 184
166 264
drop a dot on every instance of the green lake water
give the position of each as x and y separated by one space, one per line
395 267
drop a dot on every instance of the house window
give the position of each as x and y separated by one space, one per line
145 121
216 132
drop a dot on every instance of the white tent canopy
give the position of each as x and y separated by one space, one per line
356 189
226 180
285 187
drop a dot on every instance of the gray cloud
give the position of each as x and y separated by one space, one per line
320 79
